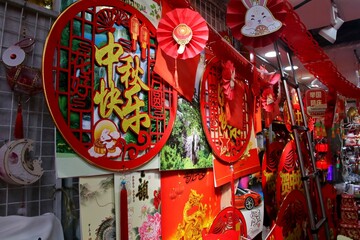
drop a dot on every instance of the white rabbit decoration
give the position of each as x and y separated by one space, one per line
259 21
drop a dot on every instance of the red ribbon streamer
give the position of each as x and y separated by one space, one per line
124 235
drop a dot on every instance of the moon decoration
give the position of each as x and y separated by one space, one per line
16 164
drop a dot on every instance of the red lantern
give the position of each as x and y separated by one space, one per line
134 31
144 40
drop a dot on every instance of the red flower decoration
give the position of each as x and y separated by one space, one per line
235 20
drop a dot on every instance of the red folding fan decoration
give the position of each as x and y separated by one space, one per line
268 99
182 33
236 20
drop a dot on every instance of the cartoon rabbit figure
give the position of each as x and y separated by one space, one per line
259 21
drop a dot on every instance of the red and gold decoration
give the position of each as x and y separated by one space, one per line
245 18
105 99
229 224
329 196
289 175
17 166
293 217
22 79
270 164
349 214
182 33
228 142
298 117
189 203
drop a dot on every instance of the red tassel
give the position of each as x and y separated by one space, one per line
19 129
232 185
176 76
124 213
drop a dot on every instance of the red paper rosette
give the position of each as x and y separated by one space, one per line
235 20
182 27
268 99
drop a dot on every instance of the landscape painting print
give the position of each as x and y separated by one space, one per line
187 147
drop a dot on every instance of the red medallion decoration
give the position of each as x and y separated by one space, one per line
228 142
182 33
102 93
245 19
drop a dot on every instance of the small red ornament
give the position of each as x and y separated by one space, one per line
144 40
134 31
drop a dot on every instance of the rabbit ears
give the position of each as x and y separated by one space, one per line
250 3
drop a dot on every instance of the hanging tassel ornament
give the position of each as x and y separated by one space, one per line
19 128
124 212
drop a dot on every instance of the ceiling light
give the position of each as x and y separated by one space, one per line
305 78
329 32
288 68
317 84
270 54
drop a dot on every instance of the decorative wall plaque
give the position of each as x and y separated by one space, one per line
103 95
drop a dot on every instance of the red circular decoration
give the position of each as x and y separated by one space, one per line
182 26
108 104
228 143
235 20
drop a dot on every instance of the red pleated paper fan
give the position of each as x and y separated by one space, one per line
182 26
235 20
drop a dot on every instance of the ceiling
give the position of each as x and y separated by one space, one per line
345 51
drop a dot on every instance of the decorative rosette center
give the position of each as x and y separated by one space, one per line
182 34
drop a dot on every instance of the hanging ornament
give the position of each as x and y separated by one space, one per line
124 212
182 33
19 125
16 164
293 216
134 31
22 79
228 224
268 99
144 40
245 19
228 79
